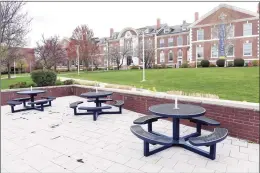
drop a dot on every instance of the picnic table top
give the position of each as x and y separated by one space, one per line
96 94
183 111
30 92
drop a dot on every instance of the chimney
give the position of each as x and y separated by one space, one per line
158 24
111 32
196 16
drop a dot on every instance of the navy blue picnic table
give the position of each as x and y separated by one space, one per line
96 96
184 111
32 94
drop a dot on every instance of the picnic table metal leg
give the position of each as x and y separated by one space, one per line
176 128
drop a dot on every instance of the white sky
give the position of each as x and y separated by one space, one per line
61 18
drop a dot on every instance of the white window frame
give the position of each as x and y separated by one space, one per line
233 51
202 30
169 56
250 24
251 53
170 42
180 57
179 37
202 52
162 42
215 45
211 32
162 53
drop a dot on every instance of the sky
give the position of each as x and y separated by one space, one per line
61 18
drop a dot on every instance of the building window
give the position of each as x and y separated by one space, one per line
200 52
230 50
170 42
230 30
200 34
72 62
247 29
162 57
179 54
247 49
214 51
161 42
170 56
188 39
214 32
179 41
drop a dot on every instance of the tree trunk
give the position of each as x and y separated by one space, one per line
55 68
8 70
68 65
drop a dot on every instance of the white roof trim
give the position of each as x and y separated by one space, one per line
227 6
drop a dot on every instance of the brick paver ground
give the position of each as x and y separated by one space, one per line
57 141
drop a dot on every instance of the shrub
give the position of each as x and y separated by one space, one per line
68 82
204 63
255 63
185 65
44 77
134 67
239 62
212 65
220 62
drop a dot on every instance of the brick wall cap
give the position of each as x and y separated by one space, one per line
211 101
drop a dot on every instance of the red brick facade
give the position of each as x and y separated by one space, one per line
241 123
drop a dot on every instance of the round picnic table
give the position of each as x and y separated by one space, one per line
31 93
184 111
97 95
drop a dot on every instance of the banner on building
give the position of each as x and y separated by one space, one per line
221 41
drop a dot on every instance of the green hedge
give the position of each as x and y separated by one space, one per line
44 77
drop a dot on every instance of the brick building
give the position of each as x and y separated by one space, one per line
225 31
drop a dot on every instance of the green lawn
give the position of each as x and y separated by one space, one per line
6 82
240 84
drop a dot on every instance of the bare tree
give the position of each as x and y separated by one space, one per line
14 26
148 54
223 31
50 52
117 55
84 37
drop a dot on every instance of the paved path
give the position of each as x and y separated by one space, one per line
57 141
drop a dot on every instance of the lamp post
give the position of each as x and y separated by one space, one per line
143 61
78 57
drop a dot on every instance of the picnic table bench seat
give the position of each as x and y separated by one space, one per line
24 99
75 104
148 137
203 120
94 110
148 119
218 135
49 98
13 103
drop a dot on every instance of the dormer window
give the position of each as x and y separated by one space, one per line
147 31
166 30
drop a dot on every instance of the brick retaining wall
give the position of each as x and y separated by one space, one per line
241 122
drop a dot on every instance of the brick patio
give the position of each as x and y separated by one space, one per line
57 141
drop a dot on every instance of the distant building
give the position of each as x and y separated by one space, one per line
225 31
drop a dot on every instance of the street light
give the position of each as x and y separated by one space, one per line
78 56
143 61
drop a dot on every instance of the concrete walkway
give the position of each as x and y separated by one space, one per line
57 141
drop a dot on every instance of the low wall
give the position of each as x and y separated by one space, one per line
240 118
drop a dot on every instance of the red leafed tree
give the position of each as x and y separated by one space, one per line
50 53
88 46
